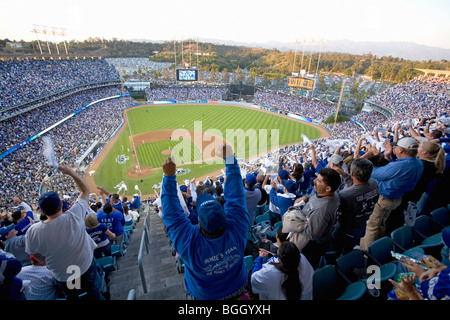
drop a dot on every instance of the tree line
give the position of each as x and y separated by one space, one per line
256 61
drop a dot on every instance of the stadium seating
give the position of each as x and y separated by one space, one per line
403 241
331 280
328 284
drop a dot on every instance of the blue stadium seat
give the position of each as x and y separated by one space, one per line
425 235
440 217
403 241
108 263
248 262
328 284
263 217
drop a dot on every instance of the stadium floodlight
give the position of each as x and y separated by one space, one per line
56 42
36 32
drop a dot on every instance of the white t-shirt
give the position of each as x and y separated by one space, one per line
63 242
267 281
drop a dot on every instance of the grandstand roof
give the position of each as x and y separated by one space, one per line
436 72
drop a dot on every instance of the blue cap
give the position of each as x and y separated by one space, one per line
211 215
49 202
250 179
183 188
290 185
222 179
283 174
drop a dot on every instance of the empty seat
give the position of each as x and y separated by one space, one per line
329 285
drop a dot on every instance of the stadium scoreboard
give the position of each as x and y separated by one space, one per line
301 83
187 74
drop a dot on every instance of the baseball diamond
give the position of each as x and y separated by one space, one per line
146 139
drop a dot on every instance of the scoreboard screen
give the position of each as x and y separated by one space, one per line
301 83
187 75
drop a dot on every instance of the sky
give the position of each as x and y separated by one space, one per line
421 21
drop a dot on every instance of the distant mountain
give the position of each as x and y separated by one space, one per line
405 50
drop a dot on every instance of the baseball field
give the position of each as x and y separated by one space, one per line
189 133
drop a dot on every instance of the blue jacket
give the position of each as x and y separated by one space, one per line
281 200
136 203
398 177
214 268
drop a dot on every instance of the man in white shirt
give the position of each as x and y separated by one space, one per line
63 243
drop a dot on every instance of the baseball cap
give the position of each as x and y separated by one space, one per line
49 202
250 178
407 143
210 213
183 188
446 236
290 185
335 158
283 174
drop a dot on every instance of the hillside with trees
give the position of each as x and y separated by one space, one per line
269 63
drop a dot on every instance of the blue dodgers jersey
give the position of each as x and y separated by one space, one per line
438 287
214 268
215 265
112 221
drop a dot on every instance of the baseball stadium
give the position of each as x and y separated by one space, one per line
82 147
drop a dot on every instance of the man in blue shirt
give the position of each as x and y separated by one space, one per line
394 179
213 251
136 204
114 220
287 198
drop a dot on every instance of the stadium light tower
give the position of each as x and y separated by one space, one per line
56 42
36 32
47 31
62 33
44 31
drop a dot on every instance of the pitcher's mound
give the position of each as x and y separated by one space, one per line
166 152
142 172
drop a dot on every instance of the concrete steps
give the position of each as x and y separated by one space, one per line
162 278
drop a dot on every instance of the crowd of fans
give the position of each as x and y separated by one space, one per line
330 196
31 79
23 170
308 108
308 182
186 93
133 67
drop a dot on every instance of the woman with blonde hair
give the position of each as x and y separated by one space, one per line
100 233
436 192
433 159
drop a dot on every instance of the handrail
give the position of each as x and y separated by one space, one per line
144 240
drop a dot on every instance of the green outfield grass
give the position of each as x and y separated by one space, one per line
242 121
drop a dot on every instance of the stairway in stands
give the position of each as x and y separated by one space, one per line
163 281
